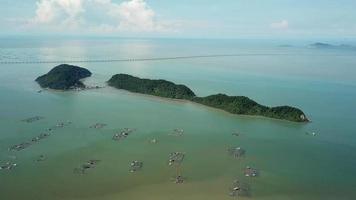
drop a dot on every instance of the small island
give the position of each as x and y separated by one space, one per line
320 45
64 77
232 104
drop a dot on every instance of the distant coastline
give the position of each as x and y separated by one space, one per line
321 45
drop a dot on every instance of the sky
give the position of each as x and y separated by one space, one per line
180 18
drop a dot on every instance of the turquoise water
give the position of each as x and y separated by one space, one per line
292 165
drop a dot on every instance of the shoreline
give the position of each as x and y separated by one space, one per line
205 106
177 101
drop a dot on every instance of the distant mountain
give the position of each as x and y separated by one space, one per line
321 45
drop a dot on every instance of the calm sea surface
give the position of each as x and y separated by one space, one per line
292 164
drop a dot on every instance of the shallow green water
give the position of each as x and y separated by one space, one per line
292 164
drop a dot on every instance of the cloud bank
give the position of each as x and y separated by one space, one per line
98 16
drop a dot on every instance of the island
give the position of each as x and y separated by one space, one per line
64 77
320 45
161 88
245 106
233 104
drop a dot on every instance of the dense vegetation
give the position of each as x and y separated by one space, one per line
246 106
63 77
160 88
233 104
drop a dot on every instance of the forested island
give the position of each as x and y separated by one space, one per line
64 77
232 104
161 88
245 106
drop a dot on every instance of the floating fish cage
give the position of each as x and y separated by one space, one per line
177 132
24 145
90 164
98 125
41 158
251 172
32 119
40 137
239 188
8 165
59 125
123 134
136 166
176 158
235 134
19 147
179 179
236 152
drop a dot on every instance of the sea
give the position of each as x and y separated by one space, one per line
294 161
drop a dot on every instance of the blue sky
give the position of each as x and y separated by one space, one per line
180 18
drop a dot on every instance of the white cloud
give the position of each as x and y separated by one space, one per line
44 13
135 15
281 25
50 11
128 16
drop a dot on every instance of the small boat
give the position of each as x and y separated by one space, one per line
311 133
236 134
153 141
